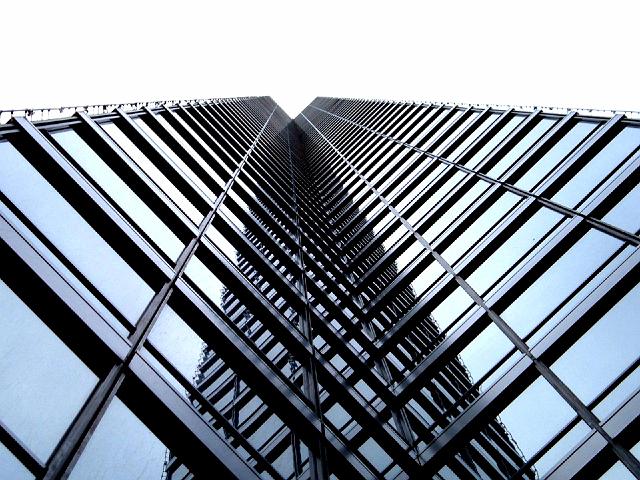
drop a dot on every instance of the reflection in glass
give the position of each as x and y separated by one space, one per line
598 167
121 447
613 340
153 172
43 384
69 232
120 192
550 159
10 466
626 214
559 281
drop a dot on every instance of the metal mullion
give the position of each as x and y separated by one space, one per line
195 119
626 236
284 401
163 162
446 133
152 121
83 189
134 176
198 144
68 452
317 463
421 118
441 121
587 149
209 407
240 141
555 382
241 125
410 112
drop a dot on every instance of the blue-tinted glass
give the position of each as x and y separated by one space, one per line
479 228
437 225
451 307
121 447
69 232
598 167
513 249
494 141
11 468
205 280
618 472
177 161
177 342
120 192
626 214
153 172
536 416
375 454
523 145
471 138
562 278
614 341
43 384
549 160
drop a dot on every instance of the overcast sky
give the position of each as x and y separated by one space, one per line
543 53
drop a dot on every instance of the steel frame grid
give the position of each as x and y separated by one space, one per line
270 176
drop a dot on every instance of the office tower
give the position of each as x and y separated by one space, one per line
208 289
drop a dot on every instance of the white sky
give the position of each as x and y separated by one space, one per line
544 53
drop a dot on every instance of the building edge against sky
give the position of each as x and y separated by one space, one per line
371 290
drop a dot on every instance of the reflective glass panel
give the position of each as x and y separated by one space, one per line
121 447
69 232
43 384
120 192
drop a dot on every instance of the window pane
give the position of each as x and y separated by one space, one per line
11 468
121 447
153 172
516 152
626 214
550 159
43 384
536 416
614 341
120 192
495 139
480 227
69 232
564 276
513 249
598 167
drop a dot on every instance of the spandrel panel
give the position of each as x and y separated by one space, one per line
120 192
121 447
72 235
43 384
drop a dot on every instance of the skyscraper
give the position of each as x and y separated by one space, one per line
209 289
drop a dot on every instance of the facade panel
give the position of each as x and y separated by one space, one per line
370 290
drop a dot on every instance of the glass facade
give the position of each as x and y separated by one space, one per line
370 290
